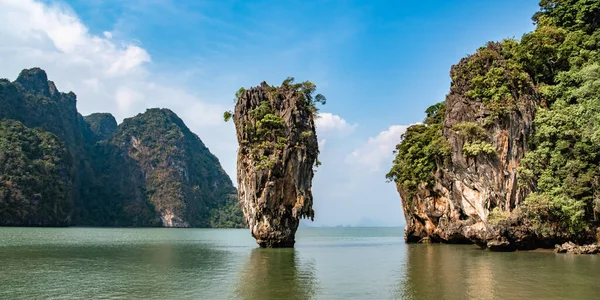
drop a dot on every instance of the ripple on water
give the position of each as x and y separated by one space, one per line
341 263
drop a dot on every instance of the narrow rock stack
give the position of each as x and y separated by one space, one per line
278 149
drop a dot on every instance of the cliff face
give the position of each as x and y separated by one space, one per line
103 125
183 180
469 185
278 148
511 159
61 169
35 102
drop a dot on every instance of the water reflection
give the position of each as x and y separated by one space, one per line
464 272
40 263
276 274
148 271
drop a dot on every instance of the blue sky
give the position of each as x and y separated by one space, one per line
383 58
380 64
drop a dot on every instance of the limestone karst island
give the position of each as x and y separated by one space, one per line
183 149
278 149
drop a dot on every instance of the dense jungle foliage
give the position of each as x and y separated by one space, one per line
35 178
182 175
60 168
562 166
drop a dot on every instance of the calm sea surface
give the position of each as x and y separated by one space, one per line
341 263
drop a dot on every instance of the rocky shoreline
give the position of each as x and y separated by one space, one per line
510 160
572 248
513 234
503 245
507 237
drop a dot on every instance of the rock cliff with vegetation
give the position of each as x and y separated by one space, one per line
35 181
184 182
278 150
511 159
103 125
58 168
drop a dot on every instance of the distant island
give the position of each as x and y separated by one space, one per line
511 159
58 168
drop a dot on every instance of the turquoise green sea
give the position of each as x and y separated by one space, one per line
336 263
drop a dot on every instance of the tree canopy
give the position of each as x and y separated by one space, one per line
562 167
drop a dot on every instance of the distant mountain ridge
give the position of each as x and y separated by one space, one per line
58 168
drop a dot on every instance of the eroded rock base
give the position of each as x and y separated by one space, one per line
276 244
278 150
572 248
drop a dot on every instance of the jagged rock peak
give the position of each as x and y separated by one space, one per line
278 149
150 170
184 181
52 88
102 124
35 80
164 113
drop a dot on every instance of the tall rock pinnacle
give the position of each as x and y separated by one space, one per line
278 149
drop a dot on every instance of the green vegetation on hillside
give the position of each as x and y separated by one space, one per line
265 129
422 148
182 176
97 175
35 102
35 178
103 125
562 168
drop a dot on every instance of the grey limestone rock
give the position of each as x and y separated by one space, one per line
278 149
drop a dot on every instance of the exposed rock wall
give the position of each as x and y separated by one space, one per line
103 125
36 102
60 168
278 148
183 180
468 187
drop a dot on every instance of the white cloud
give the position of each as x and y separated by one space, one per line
58 31
92 83
132 57
322 143
377 150
126 98
328 122
107 74
353 171
112 75
102 71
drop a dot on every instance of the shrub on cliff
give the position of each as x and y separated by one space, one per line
266 130
561 168
422 149
278 150
60 168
